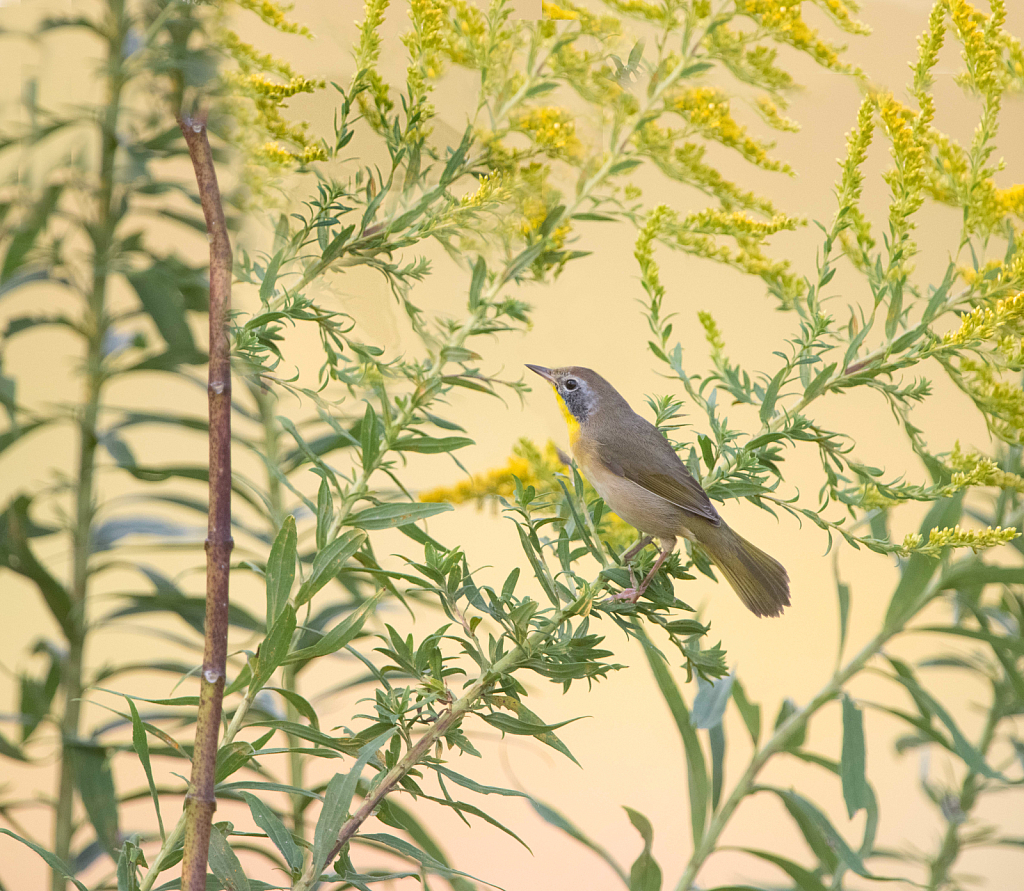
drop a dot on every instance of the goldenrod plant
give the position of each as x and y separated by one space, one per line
567 110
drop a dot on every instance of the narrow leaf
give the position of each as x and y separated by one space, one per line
341 635
385 516
281 569
328 563
855 784
696 774
338 798
52 860
710 702
276 831
224 862
140 742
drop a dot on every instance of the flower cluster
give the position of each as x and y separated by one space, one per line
706 109
983 323
783 20
552 129
974 469
1001 401
531 466
257 90
712 335
955 537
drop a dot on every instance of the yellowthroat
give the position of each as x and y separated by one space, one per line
640 477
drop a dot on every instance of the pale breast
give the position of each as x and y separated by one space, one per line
636 505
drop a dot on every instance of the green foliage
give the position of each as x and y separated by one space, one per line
505 200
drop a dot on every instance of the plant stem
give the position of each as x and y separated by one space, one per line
785 731
96 328
451 718
952 844
200 802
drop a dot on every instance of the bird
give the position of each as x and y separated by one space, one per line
637 472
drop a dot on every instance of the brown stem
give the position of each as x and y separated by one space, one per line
200 801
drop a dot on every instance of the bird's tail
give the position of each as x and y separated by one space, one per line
760 580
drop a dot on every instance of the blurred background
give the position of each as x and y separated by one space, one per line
629 750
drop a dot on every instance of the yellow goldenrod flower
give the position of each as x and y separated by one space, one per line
955 537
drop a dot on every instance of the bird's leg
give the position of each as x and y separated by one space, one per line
627 556
636 549
633 594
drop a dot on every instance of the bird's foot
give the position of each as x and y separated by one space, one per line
628 595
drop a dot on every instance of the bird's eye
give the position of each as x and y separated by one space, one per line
571 384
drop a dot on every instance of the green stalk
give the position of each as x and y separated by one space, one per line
96 327
450 719
780 738
952 843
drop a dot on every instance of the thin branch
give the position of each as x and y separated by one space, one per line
200 801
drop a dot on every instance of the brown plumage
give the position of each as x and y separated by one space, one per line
640 477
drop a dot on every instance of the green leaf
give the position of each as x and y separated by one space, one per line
164 302
140 742
710 702
474 786
232 758
276 831
324 513
929 705
528 724
508 724
716 739
369 436
771 394
403 847
645 874
855 784
428 445
554 818
337 800
843 593
707 450
25 235
476 286
274 648
750 712
821 835
52 860
328 563
281 568
16 555
385 516
301 705
127 867
270 276
919 569
820 379
696 774
96 787
341 635
224 862
804 879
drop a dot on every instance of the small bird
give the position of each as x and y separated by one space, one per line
640 477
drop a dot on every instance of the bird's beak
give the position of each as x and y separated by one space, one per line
545 373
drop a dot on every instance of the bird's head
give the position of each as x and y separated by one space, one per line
581 393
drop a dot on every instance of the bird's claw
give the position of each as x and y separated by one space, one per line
628 595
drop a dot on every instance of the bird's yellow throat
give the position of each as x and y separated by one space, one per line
570 419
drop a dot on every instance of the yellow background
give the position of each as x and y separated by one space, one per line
628 747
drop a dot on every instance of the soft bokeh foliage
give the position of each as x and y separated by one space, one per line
568 109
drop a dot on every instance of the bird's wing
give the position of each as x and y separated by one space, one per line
653 464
